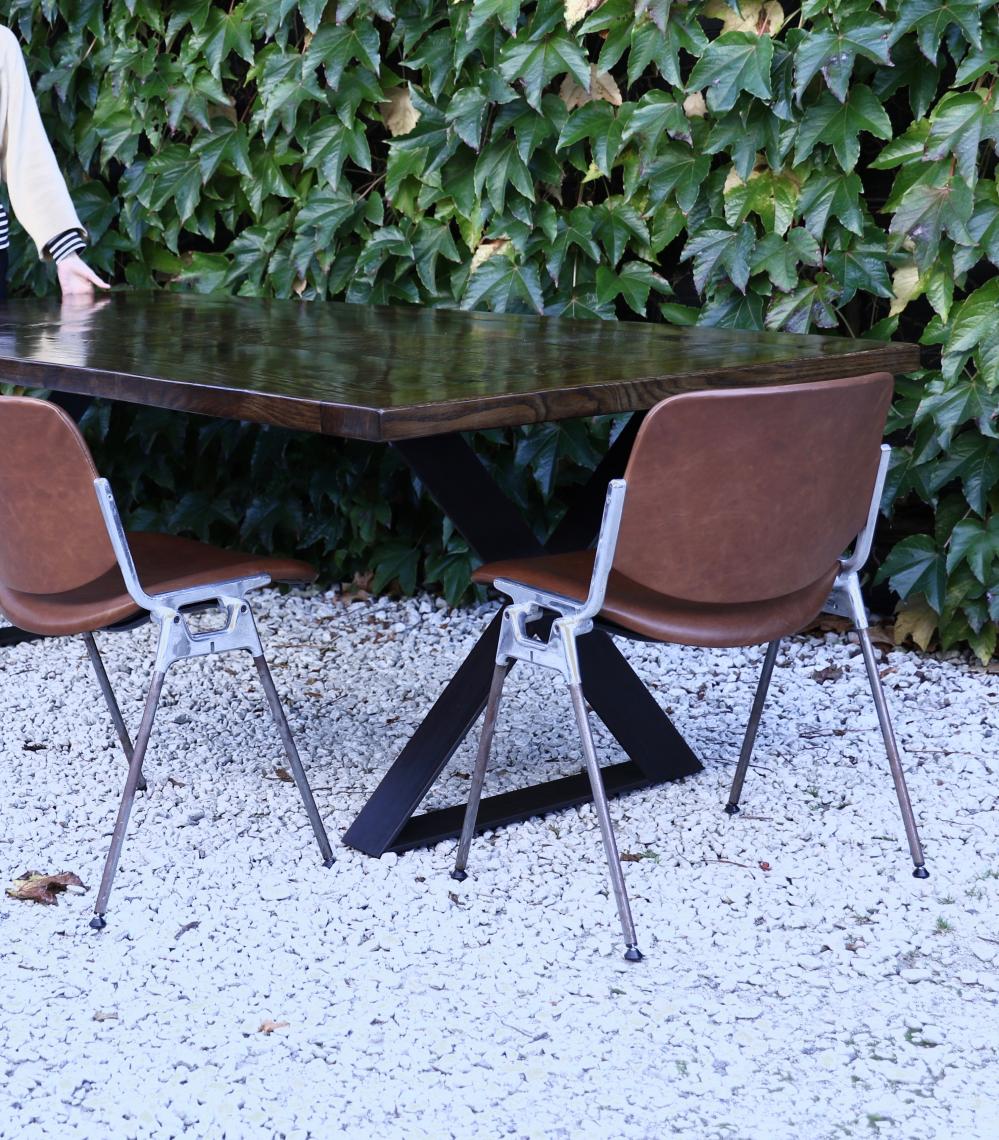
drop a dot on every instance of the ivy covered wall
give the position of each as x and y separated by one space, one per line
822 166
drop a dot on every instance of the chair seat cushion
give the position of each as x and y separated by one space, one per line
164 563
636 609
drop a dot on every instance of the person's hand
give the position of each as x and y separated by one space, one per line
76 278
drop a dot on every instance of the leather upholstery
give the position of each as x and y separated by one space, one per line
636 609
52 535
58 572
739 495
739 506
163 561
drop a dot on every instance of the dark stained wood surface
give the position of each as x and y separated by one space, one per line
386 373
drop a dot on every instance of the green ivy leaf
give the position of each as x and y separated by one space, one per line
976 543
829 194
535 63
932 18
839 125
916 566
717 249
333 47
811 303
731 64
957 126
834 52
504 12
634 281
679 170
502 286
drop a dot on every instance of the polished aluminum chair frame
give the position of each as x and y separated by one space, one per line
177 641
558 653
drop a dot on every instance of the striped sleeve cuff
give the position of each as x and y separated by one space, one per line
4 229
64 244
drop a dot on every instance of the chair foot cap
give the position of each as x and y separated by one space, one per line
633 954
459 876
98 922
731 809
329 861
920 873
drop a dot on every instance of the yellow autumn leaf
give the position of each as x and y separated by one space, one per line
758 18
398 112
916 619
575 10
488 248
905 287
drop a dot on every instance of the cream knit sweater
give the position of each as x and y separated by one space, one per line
35 185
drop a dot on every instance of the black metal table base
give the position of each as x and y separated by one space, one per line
388 821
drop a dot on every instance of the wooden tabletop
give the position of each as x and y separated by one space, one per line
384 373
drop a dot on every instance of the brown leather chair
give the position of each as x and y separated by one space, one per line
728 529
67 567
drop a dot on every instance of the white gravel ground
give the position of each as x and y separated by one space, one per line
831 995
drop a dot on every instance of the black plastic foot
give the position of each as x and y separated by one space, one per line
98 922
633 954
731 809
142 786
920 873
459 876
329 862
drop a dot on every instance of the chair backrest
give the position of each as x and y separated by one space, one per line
52 535
745 494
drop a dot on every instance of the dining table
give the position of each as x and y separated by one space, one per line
419 380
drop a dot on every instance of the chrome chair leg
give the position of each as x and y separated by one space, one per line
894 760
277 712
102 679
131 783
732 807
632 953
479 773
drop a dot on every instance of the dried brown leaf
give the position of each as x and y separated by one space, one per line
829 673
269 1026
100 1015
602 86
882 635
694 106
284 775
630 857
759 18
829 623
33 886
398 112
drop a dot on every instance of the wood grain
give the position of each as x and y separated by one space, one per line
384 373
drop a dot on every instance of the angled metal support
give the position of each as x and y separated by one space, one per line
763 685
178 641
557 651
119 724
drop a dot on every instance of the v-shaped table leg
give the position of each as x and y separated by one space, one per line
478 508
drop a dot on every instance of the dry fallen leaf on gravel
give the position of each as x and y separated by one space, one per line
33 886
269 1026
100 1015
284 775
